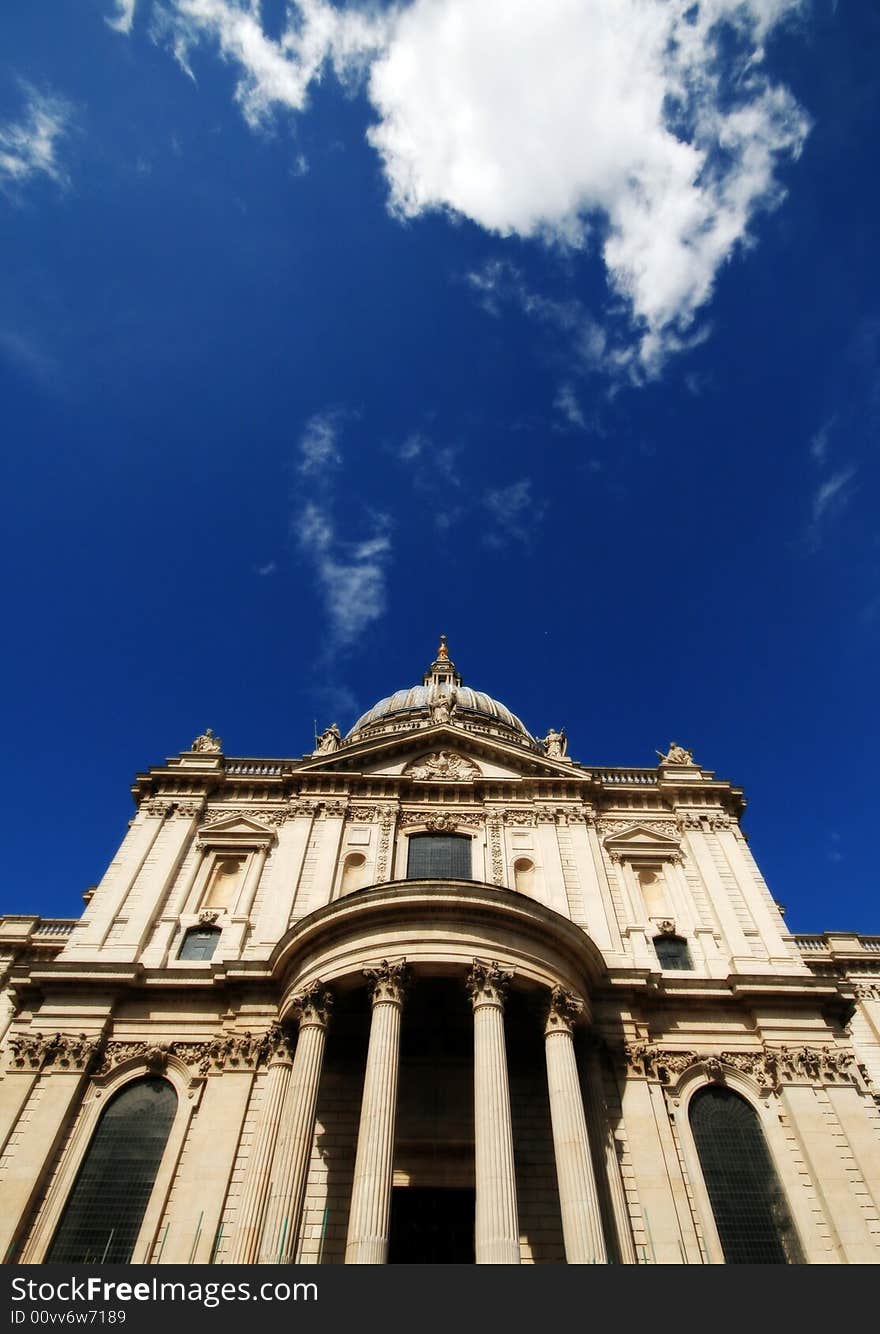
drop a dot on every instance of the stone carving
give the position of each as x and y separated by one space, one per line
207 743
277 1044
689 820
329 741
444 764
296 808
442 821
208 916
719 821
666 927
386 829
313 1004
770 1067
387 982
230 1051
555 744
362 814
676 755
443 705
521 818
868 990
332 810
665 828
496 849
565 1009
487 983
189 810
36 1051
160 806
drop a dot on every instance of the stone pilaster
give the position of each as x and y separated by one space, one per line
497 1224
578 1197
370 1215
294 1145
605 1141
255 1187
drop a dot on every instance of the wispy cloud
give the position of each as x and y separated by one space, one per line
832 494
123 19
30 359
645 131
29 145
269 568
567 405
514 513
351 576
318 450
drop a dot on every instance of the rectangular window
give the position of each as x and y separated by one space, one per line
199 943
439 857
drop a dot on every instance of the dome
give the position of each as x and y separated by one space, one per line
441 682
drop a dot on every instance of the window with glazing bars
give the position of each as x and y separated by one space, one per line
751 1213
439 857
200 943
673 952
106 1207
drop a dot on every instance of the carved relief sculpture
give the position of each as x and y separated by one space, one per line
444 764
207 743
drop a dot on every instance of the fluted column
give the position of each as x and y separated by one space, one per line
578 1198
293 1149
598 1110
370 1215
255 1188
497 1223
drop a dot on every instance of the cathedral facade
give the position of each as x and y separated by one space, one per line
436 992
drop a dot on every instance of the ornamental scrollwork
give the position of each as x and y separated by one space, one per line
386 829
444 765
33 1052
496 850
362 814
387 982
313 1005
564 1012
487 983
770 1067
442 821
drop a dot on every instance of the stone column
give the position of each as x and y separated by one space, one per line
605 1140
497 1223
578 1197
255 1187
294 1146
370 1215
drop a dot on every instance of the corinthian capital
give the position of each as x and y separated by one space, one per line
564 1011
487 983
387 981
313 1005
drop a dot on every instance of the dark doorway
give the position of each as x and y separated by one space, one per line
432 1226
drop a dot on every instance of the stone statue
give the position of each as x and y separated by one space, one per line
329 741
442 707
676 755
207 743
555 744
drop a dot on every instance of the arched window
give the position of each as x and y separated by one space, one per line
439 857
103 1215
673 952
751 1213
200 942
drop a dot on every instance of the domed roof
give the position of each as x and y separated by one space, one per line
442 682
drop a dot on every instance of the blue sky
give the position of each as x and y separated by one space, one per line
554 327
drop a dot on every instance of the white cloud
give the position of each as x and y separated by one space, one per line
646 130
123 19
820 441
269 568
351 575
318 449
832 495
29 146
609 123
514 512
274 73
566 403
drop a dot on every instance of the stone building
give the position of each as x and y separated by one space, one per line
436 992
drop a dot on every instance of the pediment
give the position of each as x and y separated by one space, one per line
235 828
450 753
642 840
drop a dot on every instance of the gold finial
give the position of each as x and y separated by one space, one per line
443 651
